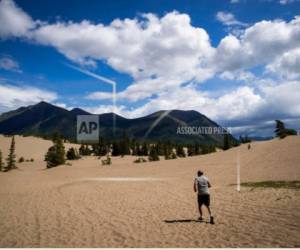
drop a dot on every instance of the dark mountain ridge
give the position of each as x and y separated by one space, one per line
43 119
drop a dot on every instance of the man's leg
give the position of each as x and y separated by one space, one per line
200 207
208 209
207 204
200 210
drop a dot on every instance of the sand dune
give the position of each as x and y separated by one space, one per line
149 204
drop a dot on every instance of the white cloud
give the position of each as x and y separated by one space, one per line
14 96
244 76
14 21
163 54
148 48
260 44
99 95
287 65
284 2
8 63
228 19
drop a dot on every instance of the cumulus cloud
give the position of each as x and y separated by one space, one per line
167 57
286 65
15 96
8 63
260 44
14 21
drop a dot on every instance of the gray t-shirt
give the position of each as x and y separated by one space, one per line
202 184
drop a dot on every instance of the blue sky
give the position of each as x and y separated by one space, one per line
236 61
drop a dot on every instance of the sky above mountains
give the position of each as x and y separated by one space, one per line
236 61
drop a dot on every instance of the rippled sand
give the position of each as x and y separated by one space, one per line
149 204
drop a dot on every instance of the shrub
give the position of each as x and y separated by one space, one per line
21 159
56 153
180 151
153 154
32 160
72 154
107 161
140 160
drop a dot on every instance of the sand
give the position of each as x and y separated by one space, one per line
149 204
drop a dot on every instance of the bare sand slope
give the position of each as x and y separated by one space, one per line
150 204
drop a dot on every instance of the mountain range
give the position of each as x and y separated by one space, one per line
43 119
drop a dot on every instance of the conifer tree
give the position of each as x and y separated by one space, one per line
153 154
56 153
11 159
180 151
1 162
226 142
167 151
145 149
116 149
197 149
125 144
72 154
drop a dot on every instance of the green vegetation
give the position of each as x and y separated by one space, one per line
21 159
140 160
273 184
72 154
281 131
180 152
107 161
1 162
84 150
11 159
56 153
245 139
153 154
226 145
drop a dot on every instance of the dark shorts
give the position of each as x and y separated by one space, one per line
204 199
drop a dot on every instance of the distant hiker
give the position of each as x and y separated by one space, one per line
201 184
249 146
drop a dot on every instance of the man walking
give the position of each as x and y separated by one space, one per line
201 185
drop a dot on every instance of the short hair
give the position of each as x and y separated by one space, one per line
200 173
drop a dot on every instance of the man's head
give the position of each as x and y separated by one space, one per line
200 173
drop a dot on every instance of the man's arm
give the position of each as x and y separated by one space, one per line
195 185
208 183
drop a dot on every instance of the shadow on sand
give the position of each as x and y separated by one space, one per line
185 221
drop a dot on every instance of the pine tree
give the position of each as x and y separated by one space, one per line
197 149
180 151
280 129
56 153
145 149
153 154
72 154
167 151
1 162
160 148
125 145
226 142
11 159
116 149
